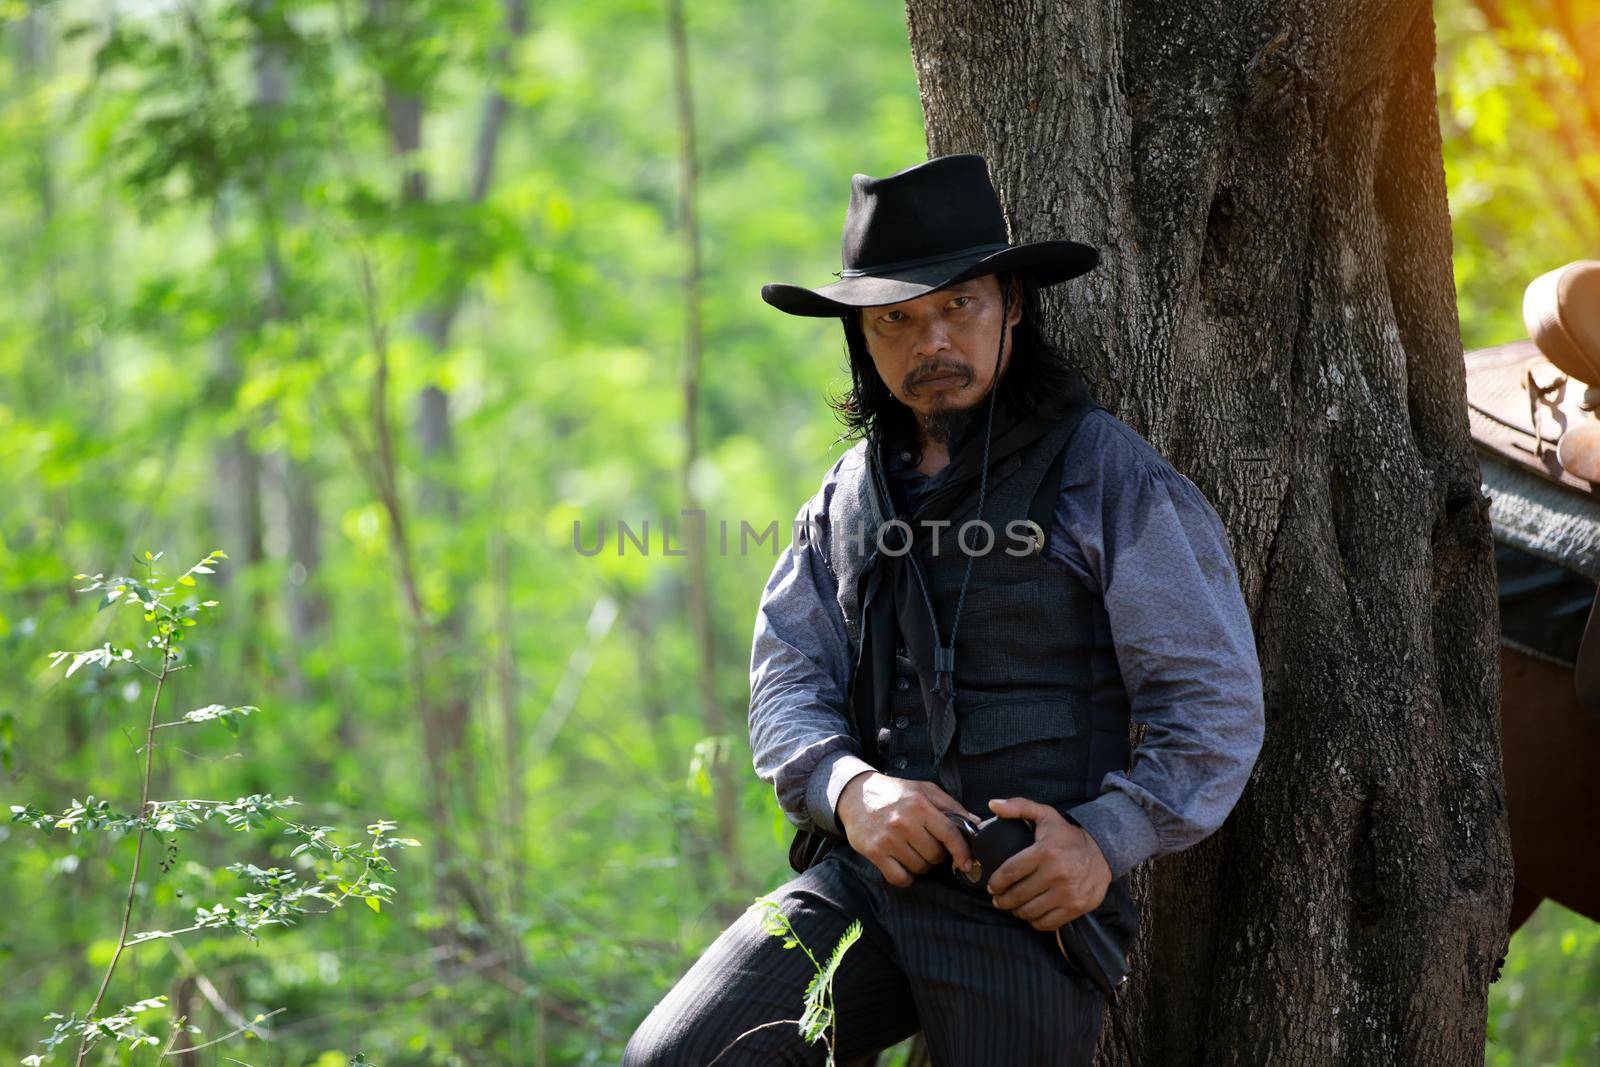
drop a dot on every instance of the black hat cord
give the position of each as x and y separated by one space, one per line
944 656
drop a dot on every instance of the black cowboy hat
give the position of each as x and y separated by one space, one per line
921 229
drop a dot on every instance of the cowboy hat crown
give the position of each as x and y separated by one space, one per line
921 229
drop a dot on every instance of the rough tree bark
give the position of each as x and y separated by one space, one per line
1275 312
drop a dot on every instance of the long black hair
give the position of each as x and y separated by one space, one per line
1038 378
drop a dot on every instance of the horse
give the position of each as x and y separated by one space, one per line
1531 406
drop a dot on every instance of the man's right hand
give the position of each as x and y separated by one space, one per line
901 826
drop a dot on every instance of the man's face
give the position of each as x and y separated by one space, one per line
936 353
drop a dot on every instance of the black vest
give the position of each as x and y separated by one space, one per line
1040 709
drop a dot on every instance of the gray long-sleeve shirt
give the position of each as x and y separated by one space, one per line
1137 533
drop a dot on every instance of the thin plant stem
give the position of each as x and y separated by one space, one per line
219 1040
747 1033
138 850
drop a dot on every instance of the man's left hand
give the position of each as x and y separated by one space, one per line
1059 877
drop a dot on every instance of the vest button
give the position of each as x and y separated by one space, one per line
899 763
905 457
902 683
901 722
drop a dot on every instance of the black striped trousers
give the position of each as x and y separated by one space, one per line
985 988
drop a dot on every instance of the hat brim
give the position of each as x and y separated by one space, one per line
1048 262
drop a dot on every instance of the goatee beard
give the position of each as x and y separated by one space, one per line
948 424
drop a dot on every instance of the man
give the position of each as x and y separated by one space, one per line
901 671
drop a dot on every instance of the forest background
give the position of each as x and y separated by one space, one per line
381 299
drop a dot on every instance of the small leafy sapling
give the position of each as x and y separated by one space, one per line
323 870
817 1020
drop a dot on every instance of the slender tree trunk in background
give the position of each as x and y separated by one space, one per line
185 1001
445 714
694 853
307 606
1275 311
440 742
453 678
35 68
291 477
437 495
725 790
508 694
236 488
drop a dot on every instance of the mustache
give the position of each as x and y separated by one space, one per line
938 370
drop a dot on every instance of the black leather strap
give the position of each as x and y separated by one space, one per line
808 847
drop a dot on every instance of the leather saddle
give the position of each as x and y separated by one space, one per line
1532 406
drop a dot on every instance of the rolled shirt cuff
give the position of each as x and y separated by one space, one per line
1121 828
827 782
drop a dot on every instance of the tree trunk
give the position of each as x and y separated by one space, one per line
1274 311
292 477
236 483
713 715
437 496
451 676
692 845
508 700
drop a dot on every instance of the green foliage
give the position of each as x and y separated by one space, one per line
816 1022
819 1015
214 249
121 1025
1521 135
330 873
1545 1009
